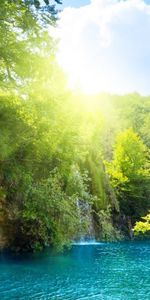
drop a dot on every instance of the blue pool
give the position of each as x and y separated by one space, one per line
109 271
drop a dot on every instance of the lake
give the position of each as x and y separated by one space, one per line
109 271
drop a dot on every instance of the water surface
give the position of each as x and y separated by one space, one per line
113 271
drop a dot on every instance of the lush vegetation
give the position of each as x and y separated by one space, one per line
143 227
57 147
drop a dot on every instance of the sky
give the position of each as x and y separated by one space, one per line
104 45
75 3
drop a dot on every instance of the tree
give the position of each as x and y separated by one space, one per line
24 40
142 226
39 147
129 174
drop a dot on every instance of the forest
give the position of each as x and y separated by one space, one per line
66 158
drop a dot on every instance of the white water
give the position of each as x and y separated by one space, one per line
84 212
86 243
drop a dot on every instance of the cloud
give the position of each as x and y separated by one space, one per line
105 46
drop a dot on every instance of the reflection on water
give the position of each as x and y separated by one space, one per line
111 271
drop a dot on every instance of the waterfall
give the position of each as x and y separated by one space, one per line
85 217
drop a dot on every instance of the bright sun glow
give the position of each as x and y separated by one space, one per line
104 46
85 79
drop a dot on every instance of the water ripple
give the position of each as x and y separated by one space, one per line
110 271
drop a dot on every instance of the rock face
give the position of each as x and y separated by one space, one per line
3 241
3 222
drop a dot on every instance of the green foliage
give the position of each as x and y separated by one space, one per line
129 173
40 174
54 145
48 161
129 160
142 226
49 215
106 230
25 43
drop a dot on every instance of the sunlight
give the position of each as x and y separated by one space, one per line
93 80
98 43
74 154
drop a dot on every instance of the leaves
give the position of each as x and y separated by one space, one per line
142 226
57 147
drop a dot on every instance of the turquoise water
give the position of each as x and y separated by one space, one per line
113 271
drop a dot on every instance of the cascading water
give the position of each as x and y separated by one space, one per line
85 216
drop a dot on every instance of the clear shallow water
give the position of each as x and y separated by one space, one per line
113 271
